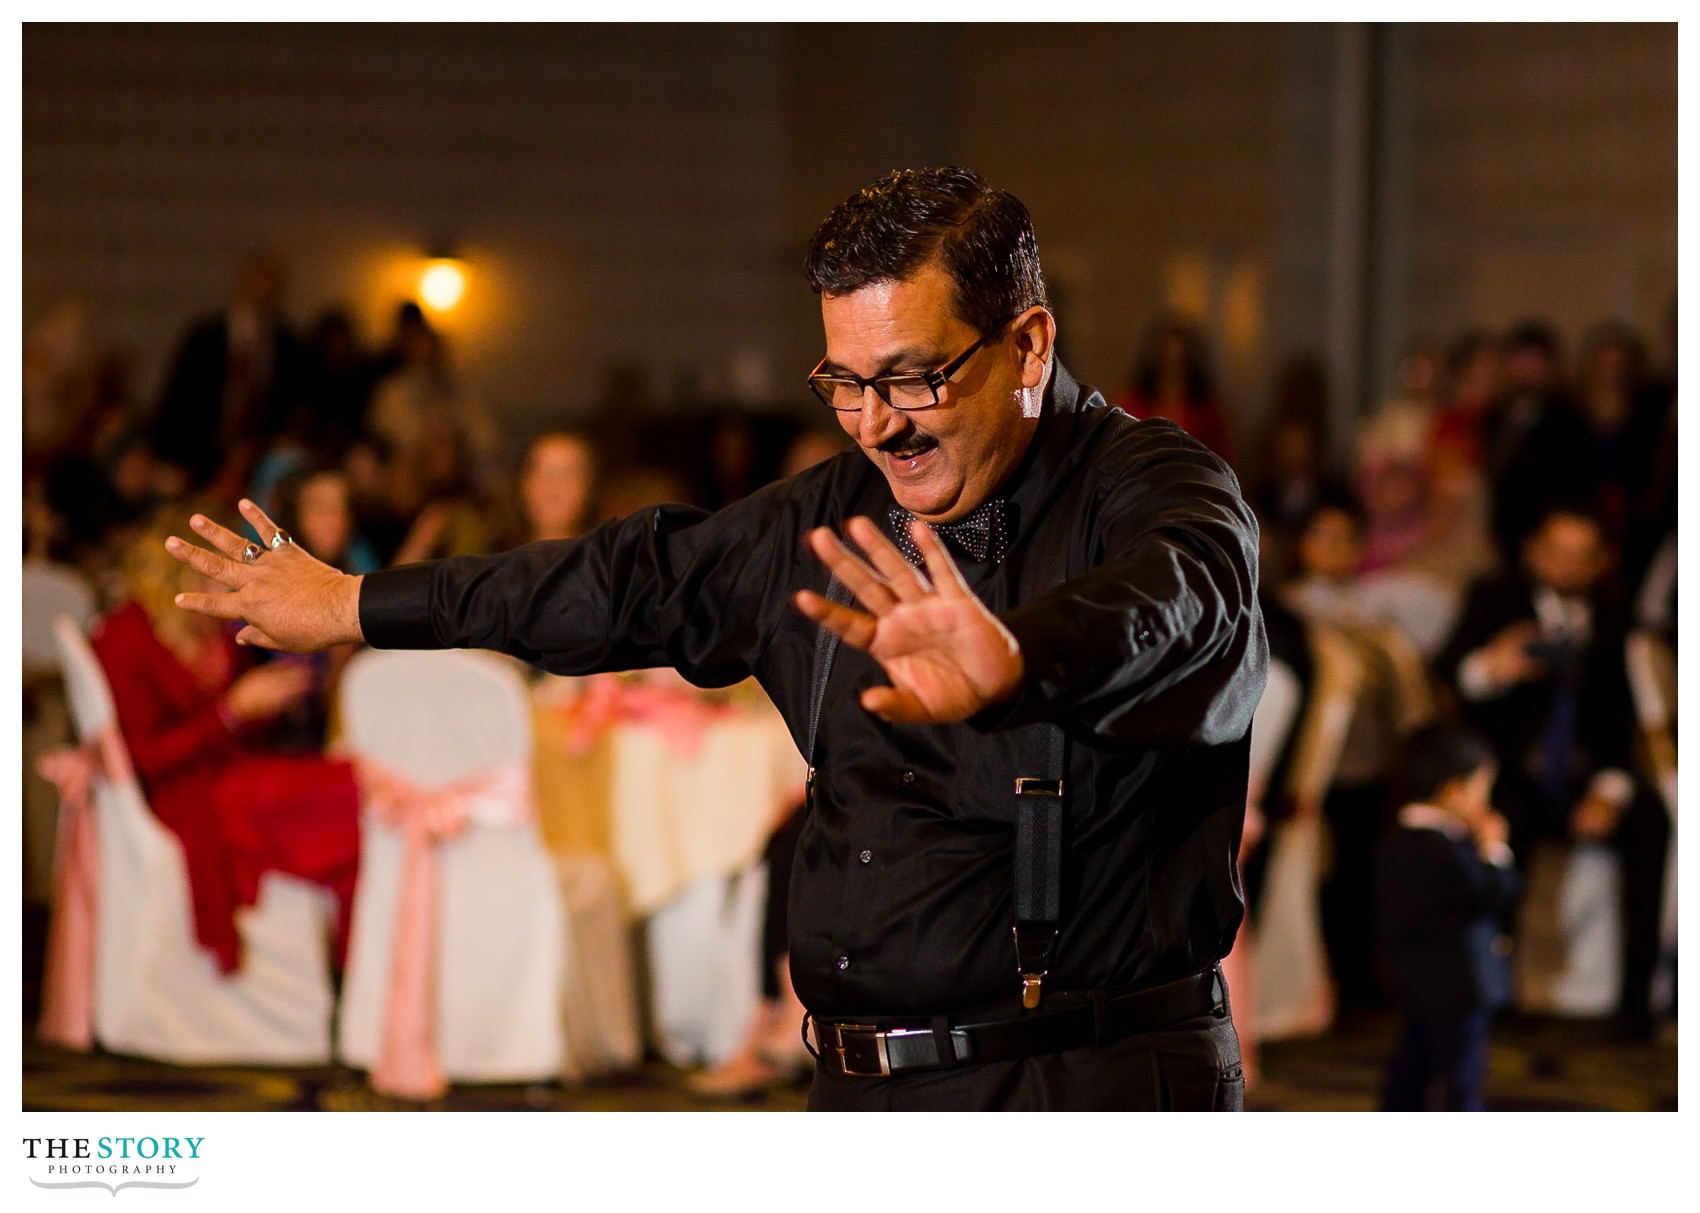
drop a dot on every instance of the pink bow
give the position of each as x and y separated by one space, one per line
501 795
67 985
681 716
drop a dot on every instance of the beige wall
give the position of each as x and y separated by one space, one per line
645 193
1543 175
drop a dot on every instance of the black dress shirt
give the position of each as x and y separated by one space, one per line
1151 655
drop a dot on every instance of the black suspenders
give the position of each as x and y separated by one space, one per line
1039 806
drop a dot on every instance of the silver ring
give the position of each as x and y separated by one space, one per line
279 538
250 552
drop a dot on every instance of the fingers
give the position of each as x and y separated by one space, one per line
903 578
219 606
896 706
206 563
264 527
869 588
854 628
941 566
226 541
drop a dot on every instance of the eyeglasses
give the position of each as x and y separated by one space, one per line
916 390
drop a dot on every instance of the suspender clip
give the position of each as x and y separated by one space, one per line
1033 960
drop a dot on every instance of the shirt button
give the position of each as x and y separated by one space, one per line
842 961
866 856
1144 635
909 777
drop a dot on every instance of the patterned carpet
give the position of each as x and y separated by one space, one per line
1536 1064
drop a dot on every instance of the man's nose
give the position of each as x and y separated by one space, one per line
878 420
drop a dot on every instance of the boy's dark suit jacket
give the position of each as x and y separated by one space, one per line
1439 910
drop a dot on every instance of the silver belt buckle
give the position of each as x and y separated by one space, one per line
843 1050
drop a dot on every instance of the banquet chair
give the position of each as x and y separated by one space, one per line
1651 663
1424 607
704 958
49 591
449 734
1294 991
155 992
1271 725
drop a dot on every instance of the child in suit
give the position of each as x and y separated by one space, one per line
1443 881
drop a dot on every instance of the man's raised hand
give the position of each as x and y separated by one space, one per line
947 656
287 599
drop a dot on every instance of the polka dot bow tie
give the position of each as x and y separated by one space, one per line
984 534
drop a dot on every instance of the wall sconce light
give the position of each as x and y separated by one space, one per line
442 284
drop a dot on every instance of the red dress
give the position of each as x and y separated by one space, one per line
237 811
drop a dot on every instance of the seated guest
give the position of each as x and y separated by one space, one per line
194 717
557 486
1443 883
313 506
1538 661
1393 697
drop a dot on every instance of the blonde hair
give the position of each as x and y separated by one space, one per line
153 577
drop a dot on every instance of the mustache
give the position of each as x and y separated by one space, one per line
918 440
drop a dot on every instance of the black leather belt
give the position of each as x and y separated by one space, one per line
1066 1020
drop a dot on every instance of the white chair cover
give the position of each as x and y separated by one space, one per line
435 718
1569 958
1290 977
49 591
705 967
1423 606
156 992
1652 680
1273 720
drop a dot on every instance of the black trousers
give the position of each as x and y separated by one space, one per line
1191 1067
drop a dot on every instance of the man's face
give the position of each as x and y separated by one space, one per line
943 461
1566 554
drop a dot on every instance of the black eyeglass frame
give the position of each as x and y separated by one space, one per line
934 380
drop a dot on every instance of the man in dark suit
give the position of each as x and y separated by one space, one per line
230 383
1537 660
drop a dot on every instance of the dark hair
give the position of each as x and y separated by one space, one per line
1148 369
1437 754
1464 349
1333 500
1575 505
982 237
1533 333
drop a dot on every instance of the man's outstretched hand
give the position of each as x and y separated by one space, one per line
288 600
947 656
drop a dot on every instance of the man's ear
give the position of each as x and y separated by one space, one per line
1035 339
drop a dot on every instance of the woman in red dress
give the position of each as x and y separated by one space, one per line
193 710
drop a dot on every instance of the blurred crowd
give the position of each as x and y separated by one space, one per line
1479 550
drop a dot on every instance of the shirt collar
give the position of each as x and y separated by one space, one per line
1053 441
1568 615
1432 817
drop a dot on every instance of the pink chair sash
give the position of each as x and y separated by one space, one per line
500 795
67 987
679 714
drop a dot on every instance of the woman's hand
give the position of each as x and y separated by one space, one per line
268 690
